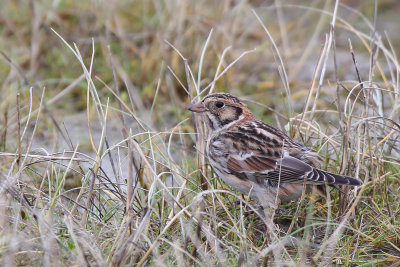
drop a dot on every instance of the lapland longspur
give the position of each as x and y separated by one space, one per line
258 159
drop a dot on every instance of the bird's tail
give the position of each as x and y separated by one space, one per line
337 179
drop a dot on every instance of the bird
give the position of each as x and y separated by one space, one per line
257 159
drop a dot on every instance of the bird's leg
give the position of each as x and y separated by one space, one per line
267 214
259 209
269 204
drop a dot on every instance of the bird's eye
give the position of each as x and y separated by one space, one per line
219 104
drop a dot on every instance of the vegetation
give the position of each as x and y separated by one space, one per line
101 164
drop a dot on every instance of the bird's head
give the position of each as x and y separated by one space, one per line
222 110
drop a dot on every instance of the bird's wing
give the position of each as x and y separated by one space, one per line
258 151
286 169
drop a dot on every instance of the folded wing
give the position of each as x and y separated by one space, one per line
285 169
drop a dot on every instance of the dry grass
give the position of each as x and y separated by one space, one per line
101 164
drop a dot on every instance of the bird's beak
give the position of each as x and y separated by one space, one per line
198 107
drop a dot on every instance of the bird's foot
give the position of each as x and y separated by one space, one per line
251 209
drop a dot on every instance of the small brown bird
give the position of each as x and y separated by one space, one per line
258 159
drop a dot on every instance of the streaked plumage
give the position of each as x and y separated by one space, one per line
258 159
